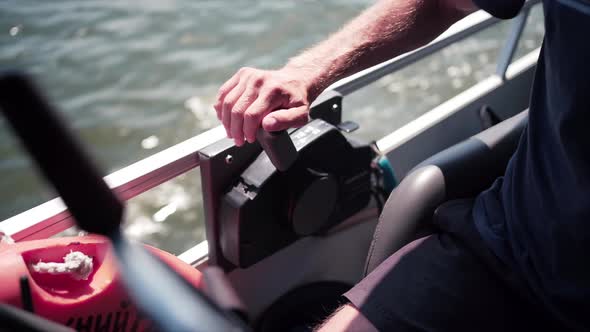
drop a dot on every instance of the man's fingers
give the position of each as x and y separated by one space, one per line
252 118
254 114
223 91
237 121
228 104
285 119
237 114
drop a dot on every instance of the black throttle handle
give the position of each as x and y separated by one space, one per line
279 147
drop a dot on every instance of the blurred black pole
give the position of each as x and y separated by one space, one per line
158 291
59 156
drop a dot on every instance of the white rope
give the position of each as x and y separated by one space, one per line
5 238
76 264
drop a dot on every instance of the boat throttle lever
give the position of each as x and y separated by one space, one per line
279 147
265 210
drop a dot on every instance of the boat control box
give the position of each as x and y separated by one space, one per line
265 209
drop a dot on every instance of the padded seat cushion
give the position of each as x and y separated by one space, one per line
460 171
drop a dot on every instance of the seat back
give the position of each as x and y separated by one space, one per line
462 170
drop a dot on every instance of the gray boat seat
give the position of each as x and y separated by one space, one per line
460 171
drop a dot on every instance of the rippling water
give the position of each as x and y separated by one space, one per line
134 77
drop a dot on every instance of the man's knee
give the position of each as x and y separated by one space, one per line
347 318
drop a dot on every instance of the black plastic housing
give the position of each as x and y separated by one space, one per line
257 214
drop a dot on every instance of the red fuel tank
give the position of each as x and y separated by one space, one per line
99 303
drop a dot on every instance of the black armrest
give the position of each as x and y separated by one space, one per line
471 166
462 170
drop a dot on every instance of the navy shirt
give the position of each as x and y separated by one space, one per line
537 217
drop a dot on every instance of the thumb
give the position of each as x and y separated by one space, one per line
286 118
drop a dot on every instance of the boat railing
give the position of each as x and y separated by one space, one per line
52 217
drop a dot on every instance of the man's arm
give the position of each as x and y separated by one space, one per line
280 99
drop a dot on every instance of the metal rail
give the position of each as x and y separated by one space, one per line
505 57
52 217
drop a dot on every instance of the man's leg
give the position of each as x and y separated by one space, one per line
444 282
347 318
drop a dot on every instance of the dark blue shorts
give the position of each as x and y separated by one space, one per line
448 281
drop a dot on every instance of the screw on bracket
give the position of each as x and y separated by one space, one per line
229 159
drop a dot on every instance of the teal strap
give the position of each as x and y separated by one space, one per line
389 179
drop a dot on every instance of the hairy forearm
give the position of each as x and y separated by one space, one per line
280 99
383 31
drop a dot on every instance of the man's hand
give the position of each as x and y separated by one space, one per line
276 99
280 99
